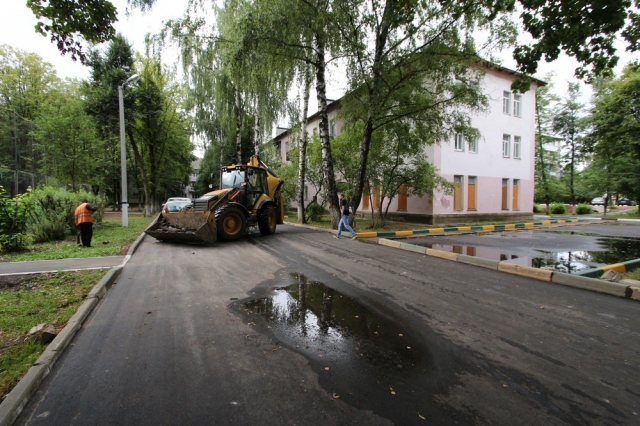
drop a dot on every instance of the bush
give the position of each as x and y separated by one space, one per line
14 216
54 215
584 208
536 208
314 212
558 208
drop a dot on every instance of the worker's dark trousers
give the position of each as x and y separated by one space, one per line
86 233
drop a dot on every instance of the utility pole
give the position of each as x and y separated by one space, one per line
15 148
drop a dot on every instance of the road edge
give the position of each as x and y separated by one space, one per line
20 395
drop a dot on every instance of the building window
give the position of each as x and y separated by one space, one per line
505 194
306 193
506 145
517 102
332 128
402 198
473 145
516 146
515 194
471 193
506 102
457 192
459 142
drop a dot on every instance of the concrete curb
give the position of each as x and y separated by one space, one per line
16 400
601 286
626 266
449 229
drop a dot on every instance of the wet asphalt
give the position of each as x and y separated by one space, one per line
300 328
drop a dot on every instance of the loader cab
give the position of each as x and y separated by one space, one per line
251 180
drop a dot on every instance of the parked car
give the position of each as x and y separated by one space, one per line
175 206
624 201
182 199
598 201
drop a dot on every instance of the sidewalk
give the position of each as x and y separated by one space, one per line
41 266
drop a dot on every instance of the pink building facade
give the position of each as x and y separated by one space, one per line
493 175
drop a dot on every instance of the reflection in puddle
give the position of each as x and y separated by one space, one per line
320 320
614 250
372 360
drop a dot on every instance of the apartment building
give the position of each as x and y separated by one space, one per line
493 175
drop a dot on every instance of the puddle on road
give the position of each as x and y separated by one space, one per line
323 321
367 359
614 250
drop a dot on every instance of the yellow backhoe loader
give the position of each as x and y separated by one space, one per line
249 195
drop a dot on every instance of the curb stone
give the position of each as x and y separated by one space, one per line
17 399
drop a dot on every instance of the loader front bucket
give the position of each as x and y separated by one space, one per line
185 226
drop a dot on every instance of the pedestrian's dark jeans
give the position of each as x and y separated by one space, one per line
86 233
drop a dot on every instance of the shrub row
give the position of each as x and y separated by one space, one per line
44 214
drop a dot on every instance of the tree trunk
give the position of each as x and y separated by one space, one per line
302 149
143 173
331 194
256 129
365 145
236 111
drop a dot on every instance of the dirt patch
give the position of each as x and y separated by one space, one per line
18 282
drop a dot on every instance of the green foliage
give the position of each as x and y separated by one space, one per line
558 208
53 216
314 212
66 135
68 22
569 124
14 217
585 30
584 208
615 125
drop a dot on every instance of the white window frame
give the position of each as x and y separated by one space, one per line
517 145
506 102
459 142
473 146
517 105
506 145
332 128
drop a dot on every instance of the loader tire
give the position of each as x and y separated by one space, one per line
232 223
267 220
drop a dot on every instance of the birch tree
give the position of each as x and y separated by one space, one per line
417 62
569 124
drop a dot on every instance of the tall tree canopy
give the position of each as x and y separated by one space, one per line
67 22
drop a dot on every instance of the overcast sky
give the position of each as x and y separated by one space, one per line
17 30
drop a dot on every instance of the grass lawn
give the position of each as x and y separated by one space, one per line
31 300
52 298
110 238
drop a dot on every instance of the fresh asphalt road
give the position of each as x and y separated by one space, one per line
171 344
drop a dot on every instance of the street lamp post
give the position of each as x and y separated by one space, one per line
123 152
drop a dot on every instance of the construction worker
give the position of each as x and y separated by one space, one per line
84 221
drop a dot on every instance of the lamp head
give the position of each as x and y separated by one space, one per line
132 79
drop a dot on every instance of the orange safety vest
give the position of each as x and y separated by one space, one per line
83 214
